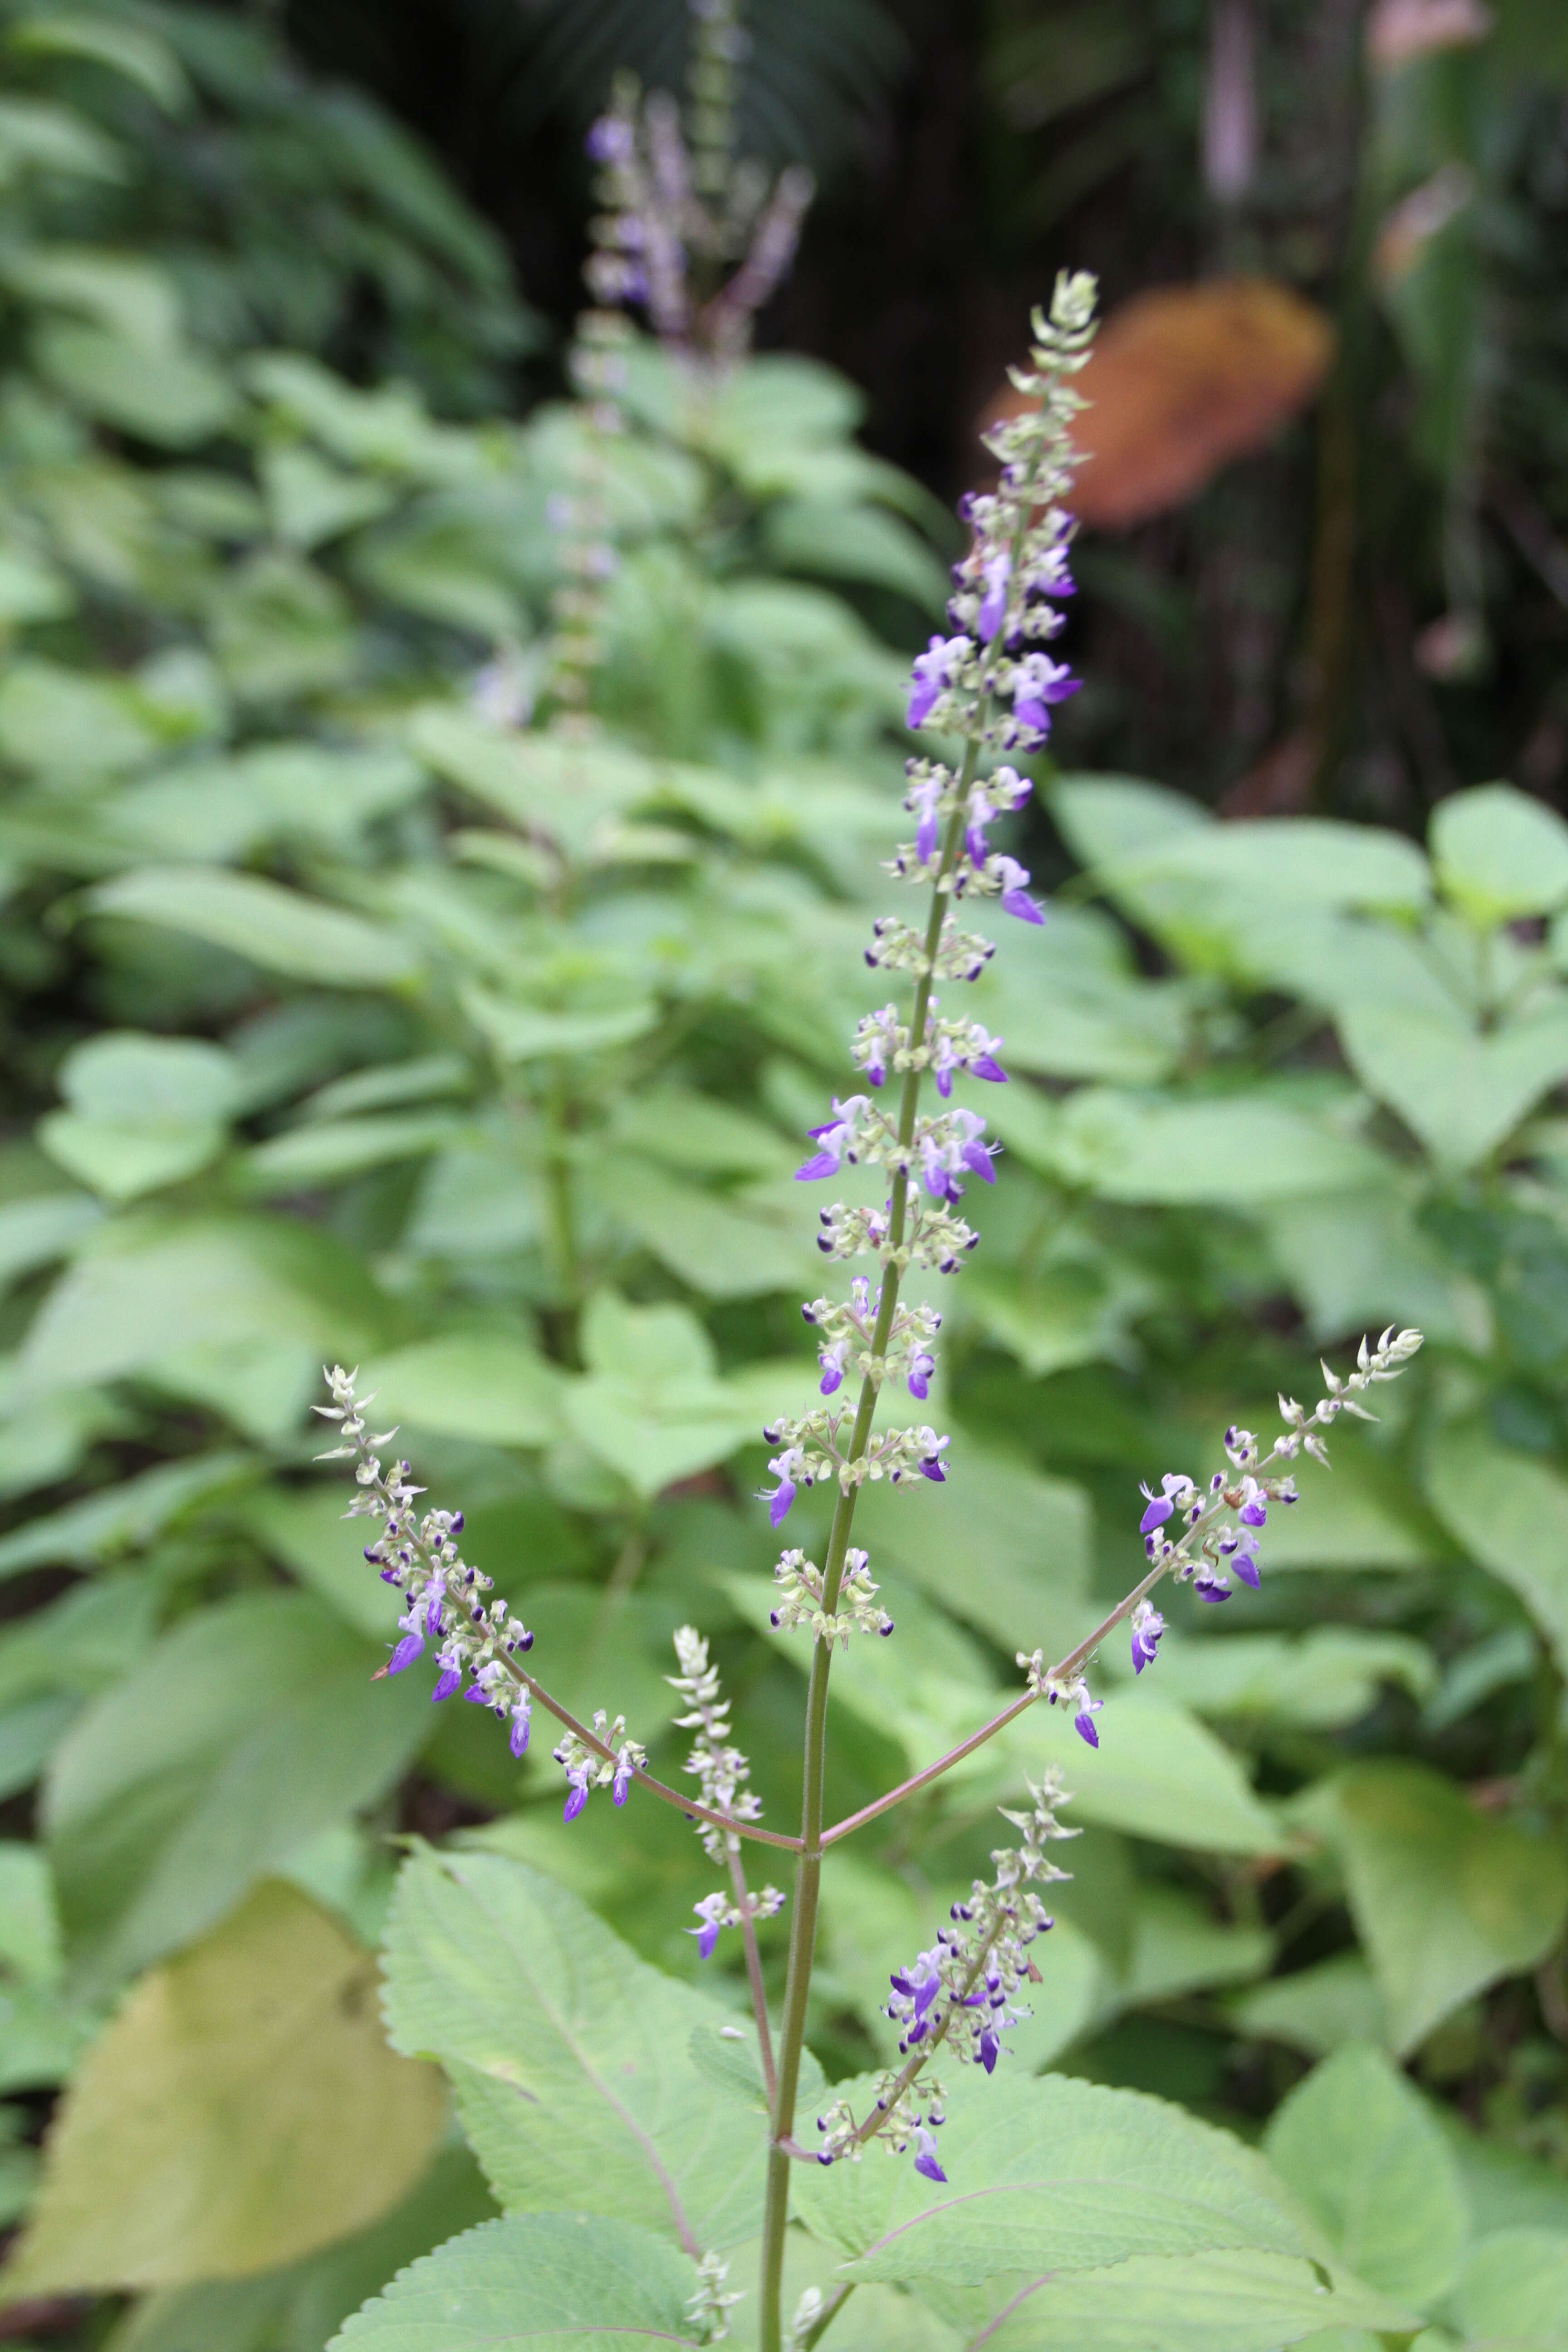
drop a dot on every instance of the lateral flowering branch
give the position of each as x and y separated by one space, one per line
479 1641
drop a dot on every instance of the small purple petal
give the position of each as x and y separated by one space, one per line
821 1163
1159 1511
934 1472
446 1682
1084 1727
989 2049
925 839
978 1159
707 1938
780 1501
1245 1566
519 1736
832 1378
985 1066
931 2169
576 1802
407 1649
1019 903
1253 1515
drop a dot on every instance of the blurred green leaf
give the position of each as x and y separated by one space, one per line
241 2110
1462 1094
124 1517
251 1725
280 929
1510 1512
1500 855
1446 1899
164 393
1358 2146
1514 2289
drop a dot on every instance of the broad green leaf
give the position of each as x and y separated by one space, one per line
1360 1261
30 1734
1461 1093
36 136
216 809
1446 1899
550 2282
68 722
1204 2302
130 50
1157 1772
385 428
34 1233
1178 1948
1108 821
1359 2148
123 1518
1499 853
1314 859
241 2110
145 1288
724 1247
1240 1150
478 1384
297 2308
29 1923
646 1346
1510 1510
331 1150
310 502
1317 2008
529 1032
1514 2289
123 293
280 627
168 393
569 2056
98 1629
251 1725
547 785
1074 1311
1505 2188
694 1131
280 929
42 2036
125 1159
308 1530
1068 1009
835 540
1052 2173
1321 1680
123 1075
1001 1544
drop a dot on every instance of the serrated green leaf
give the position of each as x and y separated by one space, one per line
1205 2302
1359 2148
1054 2174
571 2057
250 1727
241 2110
280 929
1446 1899
1157 1772
564 2281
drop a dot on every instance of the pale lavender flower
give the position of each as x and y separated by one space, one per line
1015 898
1147 1627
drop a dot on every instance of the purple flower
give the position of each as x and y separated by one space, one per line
1243 1557
925 2162
990 2049
449 1679
407 1649
978 1159
921 1367
1015 898
576 1798
1147 1627
1160 1509
477 1695
1083 1721
710 1911
932 676
623 1780
1254 1511
521 1714
779 1500
1037 683
832 1362
1209 1585
609 140
834 1137
993 603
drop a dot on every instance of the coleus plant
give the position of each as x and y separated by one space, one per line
989 687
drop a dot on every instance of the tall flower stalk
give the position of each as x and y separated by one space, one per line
989 686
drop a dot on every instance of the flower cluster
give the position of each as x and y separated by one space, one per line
721 1772
939 1149
586 1768
1068 1691
417 1553
964 1991
898 947
709 2308
882 1044
847 1340
800 1602
810 1452
933 1238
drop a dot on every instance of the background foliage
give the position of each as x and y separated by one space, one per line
344 1016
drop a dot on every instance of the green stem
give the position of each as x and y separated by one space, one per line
808 1870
